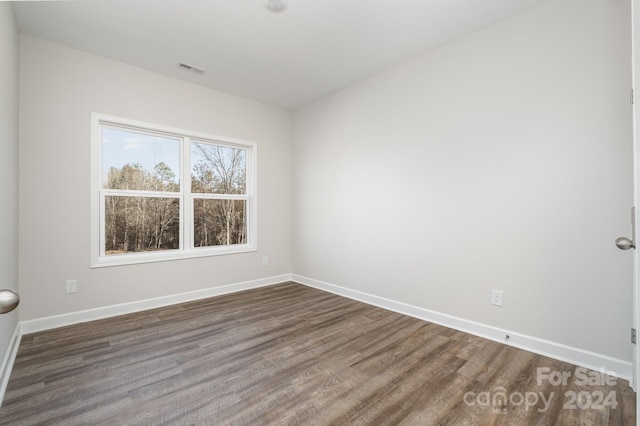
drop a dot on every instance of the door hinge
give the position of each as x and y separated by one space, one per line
633 336
631 96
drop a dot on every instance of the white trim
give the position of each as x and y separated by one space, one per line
47 323
635 77
169 255
9 358
580 357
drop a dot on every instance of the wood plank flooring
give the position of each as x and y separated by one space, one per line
291 355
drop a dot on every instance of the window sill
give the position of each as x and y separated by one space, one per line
139 258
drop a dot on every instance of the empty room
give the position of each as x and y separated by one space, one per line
319 212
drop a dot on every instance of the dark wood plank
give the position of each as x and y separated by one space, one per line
285 354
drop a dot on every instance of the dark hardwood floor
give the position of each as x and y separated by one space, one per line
292 355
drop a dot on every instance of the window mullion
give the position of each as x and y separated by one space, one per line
220 196
140 193
185 189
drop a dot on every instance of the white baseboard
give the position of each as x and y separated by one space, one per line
580 357
9 358
55 321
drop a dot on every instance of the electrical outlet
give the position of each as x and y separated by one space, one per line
265 260
496 297
71 286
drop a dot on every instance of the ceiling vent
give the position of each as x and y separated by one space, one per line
191 68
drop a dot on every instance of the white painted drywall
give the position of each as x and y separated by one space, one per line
502 160
60 88
8 166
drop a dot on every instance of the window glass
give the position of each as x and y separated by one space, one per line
141 224
217 169
138 161
219 222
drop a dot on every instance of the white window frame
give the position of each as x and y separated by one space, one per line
186 249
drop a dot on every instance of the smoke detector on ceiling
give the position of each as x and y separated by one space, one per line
275 6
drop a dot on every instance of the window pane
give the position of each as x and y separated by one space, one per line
139 161
218 169
219 222
141 224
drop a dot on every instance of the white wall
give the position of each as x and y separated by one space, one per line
60 88
8 166
502 160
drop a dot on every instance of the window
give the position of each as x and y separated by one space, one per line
162 193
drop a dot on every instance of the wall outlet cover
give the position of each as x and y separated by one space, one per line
71 286
496 297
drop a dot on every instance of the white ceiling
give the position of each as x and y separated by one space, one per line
288 59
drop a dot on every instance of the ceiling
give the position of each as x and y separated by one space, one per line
287 59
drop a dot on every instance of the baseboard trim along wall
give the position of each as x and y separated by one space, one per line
9 358
55 321
580 357
594 361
